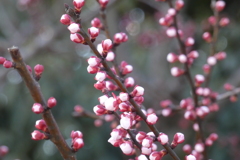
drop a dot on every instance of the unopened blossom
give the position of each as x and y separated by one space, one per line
199 79
123 96
171 32
38 69
37 135
96 23
37 108
140 136
142 157
106 45
199 147
100 76
224 22
65 19
172 12
125 107
189 41
2 60
100 85
146 150
77 144
172 57
187 148
193 54
111 104
138 91
176 72
76 134
77 38
152 118
41 125
93 61
74 28
162 138
127 69
190 115
179 4
207 37
147 142
182 58
211 61
166 112
220 5
103 3
220 55
110 56
155 156
213 136
206 68
190 157
127 148
52 102
78 4
129 82
8 64
93 32
126 121
99 110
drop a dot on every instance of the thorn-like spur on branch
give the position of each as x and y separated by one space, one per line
34 88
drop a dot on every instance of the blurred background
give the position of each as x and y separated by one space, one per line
33 26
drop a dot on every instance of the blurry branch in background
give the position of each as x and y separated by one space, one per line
33 86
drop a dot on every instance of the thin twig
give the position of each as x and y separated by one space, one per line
34 88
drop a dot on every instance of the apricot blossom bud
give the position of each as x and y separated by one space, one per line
92 70
211 61
212 20
96 23
224 22
176 72
182 58
2 60
178 138
146 150
52 102
206 68
93 32
127 148
93 61
106 45
199 79
77 38
162 138
138 91
100 85
126 121
199 147
8 64
100 76
38 69
110 56
190 115
207 37
37 108
74 28
155 155
179 4
189 41
171 32
172 12
37 135
123 96
219 5
78 4
111 104
220 56
77 144
166 112
103 3
172 57
129 82
187 148
99 110
147 142
190 157
65 19
152 118
41 125
127 69
193 54
76 134
140 136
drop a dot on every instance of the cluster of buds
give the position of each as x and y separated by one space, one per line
40 125
39 108
77 140
6 63
166 107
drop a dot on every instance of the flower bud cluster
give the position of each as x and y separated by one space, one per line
77 140
40 125
6 63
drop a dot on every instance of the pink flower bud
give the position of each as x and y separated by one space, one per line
220 56
78 109
172 57
37 135
224 22
155 155
166 112
176 72
195 127
207 37
3 151
126 121
146 150
92 70
127 69
74 28
199 147
162 138
77 144
38 69
152 118
212 20
138 91
127 148
190 115
202 111
78 4
193 54
93 32
142 157
211 61
37 108
178 138
8 64
125 37
118 37
100 85
140 136
179 4
102 99
110 56
228 87
138 99
111 86
99 110
2 60
187 149
213 136
219 5
41 125
206 68
103 3
129 82
165 103
189 41
111 104
184 103
125 107
199 79
147 142
208 142
106 45
182 58
77 38
172 12
93 61
190 157
100 76
76 134
123 96
65 19
171 32
96 23
52 102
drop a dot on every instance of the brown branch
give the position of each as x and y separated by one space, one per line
228 94
34 88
